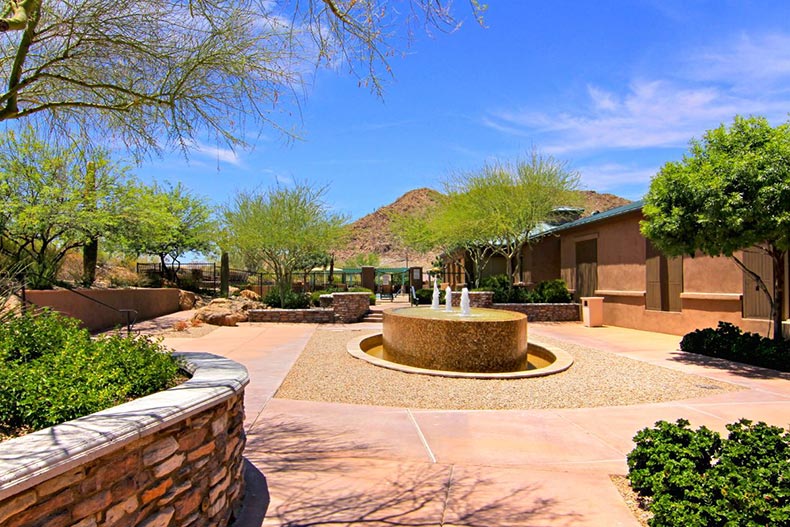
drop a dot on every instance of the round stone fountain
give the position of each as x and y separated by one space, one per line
470 342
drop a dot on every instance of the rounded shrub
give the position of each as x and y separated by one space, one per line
52 371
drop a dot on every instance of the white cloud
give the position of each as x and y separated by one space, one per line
748 77
221 155
617 178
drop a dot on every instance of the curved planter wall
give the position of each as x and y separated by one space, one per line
173 458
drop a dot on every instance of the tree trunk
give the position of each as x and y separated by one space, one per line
224 275
90 256
778 258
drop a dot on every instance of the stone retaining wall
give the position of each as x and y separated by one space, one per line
350 307
545 312
308 316
476 299
170 459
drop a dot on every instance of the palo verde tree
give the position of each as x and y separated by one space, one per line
147 71
54 198
167 221
281 229
730 192
505 202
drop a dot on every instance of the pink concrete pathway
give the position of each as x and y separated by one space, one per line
336 464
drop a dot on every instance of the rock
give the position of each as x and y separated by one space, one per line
224 312
186 300
250 295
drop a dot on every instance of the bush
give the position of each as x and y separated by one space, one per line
425 296
292 300
694 478
52 371
727 341
552 292
548 291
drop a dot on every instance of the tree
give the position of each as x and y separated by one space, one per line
505 202
281 229
145 70
167 222
730 192
53 199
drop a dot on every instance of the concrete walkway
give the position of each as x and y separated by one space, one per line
336 464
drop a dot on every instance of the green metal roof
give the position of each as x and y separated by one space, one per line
601 216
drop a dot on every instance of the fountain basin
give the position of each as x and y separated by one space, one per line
484 341
542 360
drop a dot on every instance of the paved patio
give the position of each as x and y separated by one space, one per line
336 464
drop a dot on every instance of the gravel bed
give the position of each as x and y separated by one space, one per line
326 372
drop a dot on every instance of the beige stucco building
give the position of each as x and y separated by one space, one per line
606 255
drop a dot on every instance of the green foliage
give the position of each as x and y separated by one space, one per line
53 199
694 478
279 229
52 371
727 341
175 222
362 260
425 296
546 292
552 292
731 192
291 300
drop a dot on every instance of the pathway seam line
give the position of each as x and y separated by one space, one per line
421 436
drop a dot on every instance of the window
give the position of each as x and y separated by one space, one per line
664 280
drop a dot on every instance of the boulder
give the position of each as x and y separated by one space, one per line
250 295
186 300
223 312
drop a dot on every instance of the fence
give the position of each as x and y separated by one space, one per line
206 276
201 275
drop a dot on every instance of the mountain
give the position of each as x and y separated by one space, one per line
371 233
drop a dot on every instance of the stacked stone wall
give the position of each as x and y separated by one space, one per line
185 474
309 316
545 312
350 307
476 299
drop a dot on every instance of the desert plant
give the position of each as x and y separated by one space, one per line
694 478
727 341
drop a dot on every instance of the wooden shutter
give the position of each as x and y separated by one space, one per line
586 268
653 282
755 303
674 283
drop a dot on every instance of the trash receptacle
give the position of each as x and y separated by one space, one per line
592 311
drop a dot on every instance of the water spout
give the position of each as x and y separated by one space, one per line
435 297
465 303
448 299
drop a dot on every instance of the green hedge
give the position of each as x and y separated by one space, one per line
546 292
52 371
727 341
292 300
694 478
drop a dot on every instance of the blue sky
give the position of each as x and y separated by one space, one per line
614 88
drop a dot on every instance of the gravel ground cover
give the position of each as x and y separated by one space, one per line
326 372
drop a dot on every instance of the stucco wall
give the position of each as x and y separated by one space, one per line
170 459
712 286
149 303
541 261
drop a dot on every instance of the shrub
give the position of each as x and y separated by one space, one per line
292 300
52 371
548 291
552 292
727 341
695 478
425 296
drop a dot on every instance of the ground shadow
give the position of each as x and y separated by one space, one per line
736 368
317 478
